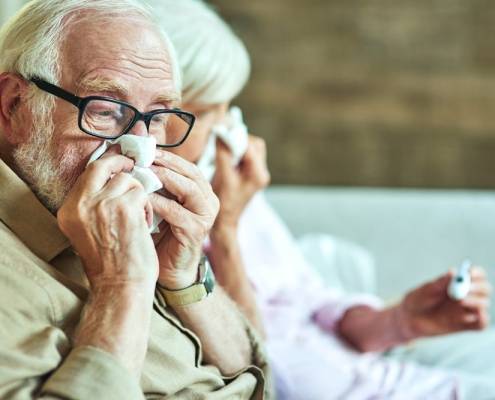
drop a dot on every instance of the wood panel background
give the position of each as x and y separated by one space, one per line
377 93
396 93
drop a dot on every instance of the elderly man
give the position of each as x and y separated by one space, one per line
93 306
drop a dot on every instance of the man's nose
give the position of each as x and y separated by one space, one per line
139 129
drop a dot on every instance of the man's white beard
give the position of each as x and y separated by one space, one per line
38 166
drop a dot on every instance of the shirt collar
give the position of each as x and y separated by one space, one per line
27 218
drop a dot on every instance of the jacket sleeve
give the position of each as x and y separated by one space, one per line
37 360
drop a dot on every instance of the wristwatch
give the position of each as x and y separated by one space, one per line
194 293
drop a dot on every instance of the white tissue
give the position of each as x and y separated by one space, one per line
460 284
142 149
234 134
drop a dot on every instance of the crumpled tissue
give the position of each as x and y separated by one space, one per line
234 133
142 150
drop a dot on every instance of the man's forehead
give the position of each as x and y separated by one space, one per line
117 55
109 83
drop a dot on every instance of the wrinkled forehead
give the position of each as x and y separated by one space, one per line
129 50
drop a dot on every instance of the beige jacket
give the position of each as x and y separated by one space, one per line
42 292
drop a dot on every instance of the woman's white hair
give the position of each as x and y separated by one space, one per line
214 62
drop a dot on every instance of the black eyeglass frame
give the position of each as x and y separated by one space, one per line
82 102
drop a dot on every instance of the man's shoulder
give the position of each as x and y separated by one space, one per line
24 280
15 256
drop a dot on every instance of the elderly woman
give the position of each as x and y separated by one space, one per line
315 337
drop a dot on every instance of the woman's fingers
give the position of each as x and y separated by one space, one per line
439 285
478 274
254 163
475 320
223 156
481 288
474 302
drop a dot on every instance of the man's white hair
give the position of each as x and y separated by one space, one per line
214 62
30 41
30 45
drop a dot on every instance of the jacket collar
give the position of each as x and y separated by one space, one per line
27 218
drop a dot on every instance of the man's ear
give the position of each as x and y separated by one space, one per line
13 110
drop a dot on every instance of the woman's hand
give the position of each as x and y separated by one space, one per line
425 311
236 185
429 311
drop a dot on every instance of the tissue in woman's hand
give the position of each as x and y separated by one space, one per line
234 134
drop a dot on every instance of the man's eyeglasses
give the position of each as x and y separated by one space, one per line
108 118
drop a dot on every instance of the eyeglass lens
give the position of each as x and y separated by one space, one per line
108 119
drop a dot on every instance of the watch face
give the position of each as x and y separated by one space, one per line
209 281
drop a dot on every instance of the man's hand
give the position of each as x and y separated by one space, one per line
235 186
189 210
428 311
188 218
106 217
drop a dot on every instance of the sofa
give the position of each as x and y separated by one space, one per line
412 235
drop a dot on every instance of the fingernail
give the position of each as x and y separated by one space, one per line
471 318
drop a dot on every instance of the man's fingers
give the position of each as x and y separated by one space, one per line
114 149
120 184
171 211
100 171
149 213
186 191
178 217
136 198
181 166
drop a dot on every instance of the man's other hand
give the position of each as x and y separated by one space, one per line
188 218
106 217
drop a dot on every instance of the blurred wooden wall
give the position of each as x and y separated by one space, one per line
376 93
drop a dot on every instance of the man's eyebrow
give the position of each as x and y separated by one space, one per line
173 98
103 85
108 85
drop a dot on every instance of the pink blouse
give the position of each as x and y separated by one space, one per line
300 314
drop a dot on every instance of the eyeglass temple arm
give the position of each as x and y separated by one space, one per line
57 91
